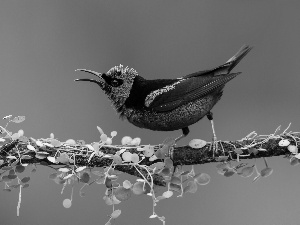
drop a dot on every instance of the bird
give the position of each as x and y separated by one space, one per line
167 104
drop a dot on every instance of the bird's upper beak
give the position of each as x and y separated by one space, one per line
99 75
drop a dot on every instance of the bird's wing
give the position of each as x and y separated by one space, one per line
185 90
195 85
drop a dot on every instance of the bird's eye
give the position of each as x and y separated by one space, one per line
116 82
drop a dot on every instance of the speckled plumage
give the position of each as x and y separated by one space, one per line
151 96
118 96
166 104
176 119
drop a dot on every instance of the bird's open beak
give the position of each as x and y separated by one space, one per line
99 75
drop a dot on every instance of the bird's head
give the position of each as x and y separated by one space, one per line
116 83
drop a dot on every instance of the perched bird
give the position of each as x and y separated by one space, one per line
166 104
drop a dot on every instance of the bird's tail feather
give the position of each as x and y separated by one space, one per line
224 68
234 60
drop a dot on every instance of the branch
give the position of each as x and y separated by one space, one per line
31 151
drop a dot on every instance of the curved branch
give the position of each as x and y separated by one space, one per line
184 155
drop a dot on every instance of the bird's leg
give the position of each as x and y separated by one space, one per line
214 144
185 132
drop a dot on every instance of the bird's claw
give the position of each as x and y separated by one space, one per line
167 147
214 146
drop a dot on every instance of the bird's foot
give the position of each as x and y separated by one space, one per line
185 132
167 147
214 146
179 138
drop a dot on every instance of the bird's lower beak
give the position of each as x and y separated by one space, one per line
91 80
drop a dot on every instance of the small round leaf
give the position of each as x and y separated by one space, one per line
108 182
117 159
167 194
103 137
293 149
108 141
53 176
18 119
247 171
136 141
135 158
266 172
284 142
115 214
148 151
122 193
127 184
12 176
202 179
25 185
85 177
67 203
126 156
113 133
229 173
20 168
175 180
137 188
126 140
197 143
294 161
71 142
25 179
191 187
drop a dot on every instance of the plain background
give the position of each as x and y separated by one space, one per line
43 42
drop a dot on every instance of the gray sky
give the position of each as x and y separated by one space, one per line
43 42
